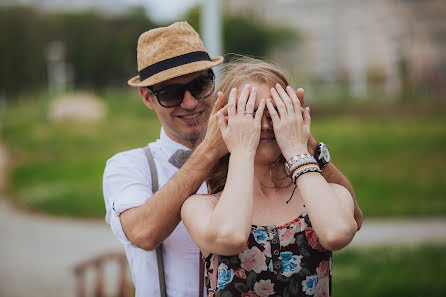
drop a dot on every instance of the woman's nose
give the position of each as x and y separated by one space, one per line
266 123
189 101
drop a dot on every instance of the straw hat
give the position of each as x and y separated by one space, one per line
168 52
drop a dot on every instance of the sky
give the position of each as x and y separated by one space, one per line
158 10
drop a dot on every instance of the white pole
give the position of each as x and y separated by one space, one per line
211 29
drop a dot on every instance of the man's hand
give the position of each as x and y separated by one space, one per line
213 140
312 142
331 173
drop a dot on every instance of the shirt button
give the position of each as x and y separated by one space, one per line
274 241
276 252
273 231
277 265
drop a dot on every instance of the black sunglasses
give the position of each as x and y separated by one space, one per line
173 95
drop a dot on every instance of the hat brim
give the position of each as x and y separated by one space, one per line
175 72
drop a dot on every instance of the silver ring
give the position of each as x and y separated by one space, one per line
247 112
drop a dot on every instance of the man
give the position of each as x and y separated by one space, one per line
175 79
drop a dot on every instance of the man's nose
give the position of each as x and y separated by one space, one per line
189 101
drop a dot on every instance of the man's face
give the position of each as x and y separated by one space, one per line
184 123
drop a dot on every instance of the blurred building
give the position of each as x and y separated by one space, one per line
377 44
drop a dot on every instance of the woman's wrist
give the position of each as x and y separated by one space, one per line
293 151
243 153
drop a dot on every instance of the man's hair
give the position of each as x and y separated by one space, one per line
237 73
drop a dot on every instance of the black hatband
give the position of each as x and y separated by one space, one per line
172 62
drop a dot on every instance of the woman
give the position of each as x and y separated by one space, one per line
263 230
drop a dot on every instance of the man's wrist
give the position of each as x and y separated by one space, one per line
312 145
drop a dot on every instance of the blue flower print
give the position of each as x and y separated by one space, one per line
290 263
225 276
309 284
260 236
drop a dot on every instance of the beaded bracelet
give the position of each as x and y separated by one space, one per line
305 169
299 165
296 160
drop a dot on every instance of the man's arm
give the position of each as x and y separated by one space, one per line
330 172
146 226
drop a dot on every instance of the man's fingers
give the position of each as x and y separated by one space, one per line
222 122
219 103
300 95
231 102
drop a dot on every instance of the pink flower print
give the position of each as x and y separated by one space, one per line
322 288
286 236
300 225
313 239
240 273
264 288
323 270
253 259
250 294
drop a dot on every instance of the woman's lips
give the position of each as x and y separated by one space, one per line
267 139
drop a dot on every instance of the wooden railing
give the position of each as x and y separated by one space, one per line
97 264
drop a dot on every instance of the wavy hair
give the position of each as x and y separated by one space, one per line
236 73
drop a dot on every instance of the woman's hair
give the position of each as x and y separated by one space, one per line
237 73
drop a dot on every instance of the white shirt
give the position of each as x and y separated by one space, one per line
126 184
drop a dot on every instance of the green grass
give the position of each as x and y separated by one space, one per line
390 271
395 162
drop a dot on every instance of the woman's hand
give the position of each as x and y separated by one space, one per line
241 132
291 122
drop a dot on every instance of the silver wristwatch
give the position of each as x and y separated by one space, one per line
322 154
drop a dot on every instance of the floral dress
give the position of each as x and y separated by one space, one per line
278 261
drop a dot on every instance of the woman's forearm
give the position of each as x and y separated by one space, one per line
232 216
330 208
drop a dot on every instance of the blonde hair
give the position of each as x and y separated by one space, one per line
236 73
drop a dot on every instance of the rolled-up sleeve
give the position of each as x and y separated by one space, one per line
126 184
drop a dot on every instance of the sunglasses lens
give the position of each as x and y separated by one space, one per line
202 87
171 96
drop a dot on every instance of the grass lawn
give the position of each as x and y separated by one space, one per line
395 162
390 271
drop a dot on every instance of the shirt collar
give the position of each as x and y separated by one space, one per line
168 145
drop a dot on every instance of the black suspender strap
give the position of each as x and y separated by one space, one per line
159 249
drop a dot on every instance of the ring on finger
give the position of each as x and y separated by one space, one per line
247 112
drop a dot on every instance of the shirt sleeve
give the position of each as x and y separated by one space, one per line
126 184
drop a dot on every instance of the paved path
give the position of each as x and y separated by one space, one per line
37 253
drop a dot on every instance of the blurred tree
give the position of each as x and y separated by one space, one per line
102 49
247 35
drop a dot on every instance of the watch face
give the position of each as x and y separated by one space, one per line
325 153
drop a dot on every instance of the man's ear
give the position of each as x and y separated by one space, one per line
146 97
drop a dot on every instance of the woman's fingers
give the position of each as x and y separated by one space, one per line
231 102
279 103
260 109
295 101
242 100
286 99
272 111
251 102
